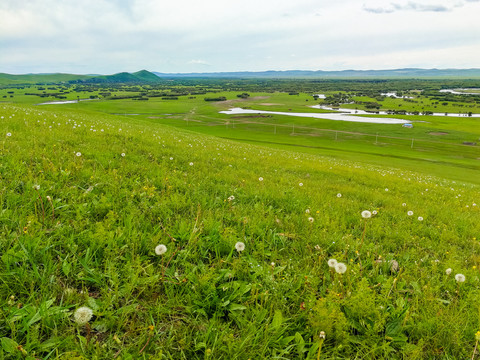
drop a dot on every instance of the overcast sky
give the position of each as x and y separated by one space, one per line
108 36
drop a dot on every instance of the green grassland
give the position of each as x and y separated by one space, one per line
89 189
80 223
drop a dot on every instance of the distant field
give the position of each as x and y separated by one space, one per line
435 145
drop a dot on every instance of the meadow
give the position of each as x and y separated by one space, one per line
146 237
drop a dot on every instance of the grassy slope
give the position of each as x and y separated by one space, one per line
8 79
91 243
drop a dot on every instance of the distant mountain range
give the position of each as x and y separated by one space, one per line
144 76
396 73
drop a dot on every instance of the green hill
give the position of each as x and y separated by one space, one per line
8 79
139 77
249 235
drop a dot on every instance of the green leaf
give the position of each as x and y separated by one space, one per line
234 307
9 345
277 319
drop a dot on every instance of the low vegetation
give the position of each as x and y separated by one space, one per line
125 238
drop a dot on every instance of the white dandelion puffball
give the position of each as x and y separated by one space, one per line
78 154
160 249
311 219
240 246
340 268
300 184
386 189
260 178
36 187
332 263
307 211
123 154
448 271
460 278
171 158
9 134
374 212
231 198
404 204
410 213
339 195
83 315
420 218
366 214
191 164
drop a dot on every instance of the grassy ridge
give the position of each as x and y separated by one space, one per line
87 197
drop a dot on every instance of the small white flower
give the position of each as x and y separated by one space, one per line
420 218
300 184
332 263
78 154
171 158
339 195
374 212
311 219
191 164
240 246
404 204
260 178
49 198
9 134
340 268
410 213
273 264
160 249
448 271
386 189
366 214
460 278
123 154
83 315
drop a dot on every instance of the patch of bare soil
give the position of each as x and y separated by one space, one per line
437 133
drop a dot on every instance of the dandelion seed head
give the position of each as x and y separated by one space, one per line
78 154
339 195
260 178
191 164
231 198
410 213
36 187
307 211
123 154
83 315
404 204
374 212
240 246
9 134
366 214
460 278
160 249
340 268
420 218
300 184
311 219
332 263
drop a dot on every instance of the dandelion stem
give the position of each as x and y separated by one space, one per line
320 343
475 350
364 231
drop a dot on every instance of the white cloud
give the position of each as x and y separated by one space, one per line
106 36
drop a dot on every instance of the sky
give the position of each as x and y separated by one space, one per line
181 36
